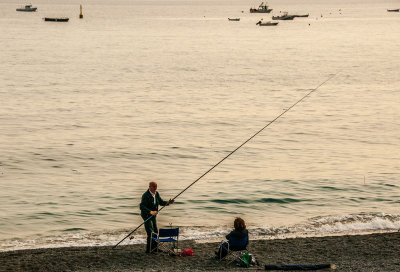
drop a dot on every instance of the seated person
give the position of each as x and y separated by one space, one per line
238 239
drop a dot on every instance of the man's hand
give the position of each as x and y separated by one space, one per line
171 201
153 212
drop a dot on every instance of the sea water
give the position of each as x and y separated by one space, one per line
137 91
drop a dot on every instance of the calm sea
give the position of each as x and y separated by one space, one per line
93 109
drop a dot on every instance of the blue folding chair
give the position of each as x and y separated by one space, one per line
164 236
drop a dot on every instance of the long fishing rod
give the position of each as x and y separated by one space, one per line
236 149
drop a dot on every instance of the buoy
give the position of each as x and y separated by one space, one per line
81 15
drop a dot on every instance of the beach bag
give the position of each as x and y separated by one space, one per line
245 260
187 252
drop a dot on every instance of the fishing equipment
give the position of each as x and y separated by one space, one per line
236 149
300 267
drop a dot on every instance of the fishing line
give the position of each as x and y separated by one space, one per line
236 149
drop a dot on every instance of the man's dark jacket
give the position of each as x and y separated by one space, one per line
147 205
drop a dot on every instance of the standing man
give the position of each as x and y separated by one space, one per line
149 208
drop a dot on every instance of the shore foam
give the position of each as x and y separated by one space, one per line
314 227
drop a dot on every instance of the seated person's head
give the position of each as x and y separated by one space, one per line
239 224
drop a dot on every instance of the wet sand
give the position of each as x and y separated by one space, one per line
373 252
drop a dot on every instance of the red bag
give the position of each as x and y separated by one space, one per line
187 252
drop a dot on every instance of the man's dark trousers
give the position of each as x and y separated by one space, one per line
151 226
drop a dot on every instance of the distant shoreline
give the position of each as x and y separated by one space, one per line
371 252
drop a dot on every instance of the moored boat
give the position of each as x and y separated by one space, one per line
285 16
262 8
234 19
301 15
61 19
268 23
27 8
393 10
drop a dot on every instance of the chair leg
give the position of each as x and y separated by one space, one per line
150 241
237 255
224 246
153 243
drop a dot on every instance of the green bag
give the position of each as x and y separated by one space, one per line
245 260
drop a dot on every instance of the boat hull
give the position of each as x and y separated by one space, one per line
268 24
27 10
285 18
260 10
47 19
393 10
234 19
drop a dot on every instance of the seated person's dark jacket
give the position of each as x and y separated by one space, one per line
147 205
238 240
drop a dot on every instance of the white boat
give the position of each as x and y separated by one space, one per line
27 8
301 15
285 16
268 23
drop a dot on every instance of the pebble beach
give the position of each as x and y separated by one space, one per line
372 252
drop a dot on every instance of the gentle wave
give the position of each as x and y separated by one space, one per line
318 226
75 229
249 201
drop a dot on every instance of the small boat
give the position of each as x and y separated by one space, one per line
285 16
62 19
27 8
262 8
302 15
234 19
268 23
393 10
